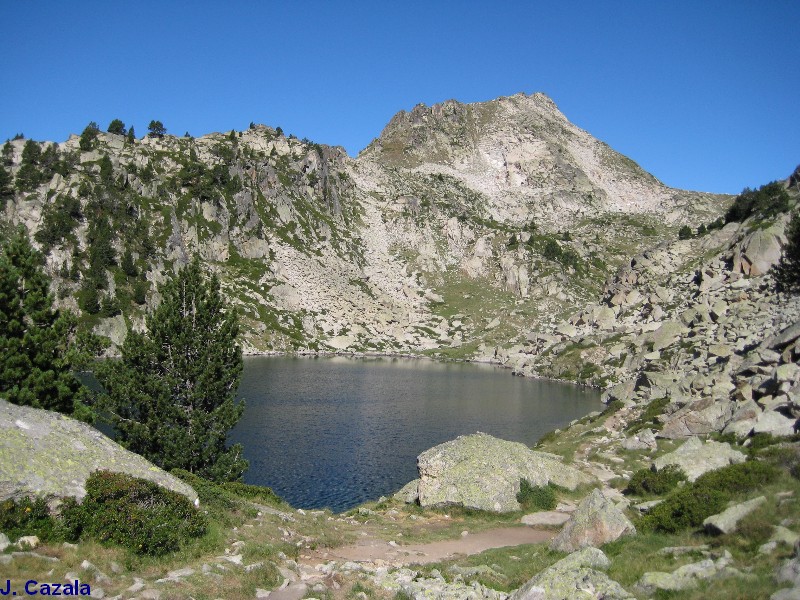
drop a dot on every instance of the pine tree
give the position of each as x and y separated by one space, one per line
787 271
6 191
36 361
171 397
116 126
156 129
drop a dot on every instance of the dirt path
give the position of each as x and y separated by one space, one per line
370 550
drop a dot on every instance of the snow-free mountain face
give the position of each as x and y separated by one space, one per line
456 231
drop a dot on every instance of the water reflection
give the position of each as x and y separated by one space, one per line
338 431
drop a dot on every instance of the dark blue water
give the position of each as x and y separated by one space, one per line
336 432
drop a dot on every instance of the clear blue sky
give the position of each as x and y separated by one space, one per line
703 94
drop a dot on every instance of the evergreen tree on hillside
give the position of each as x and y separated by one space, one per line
6 191
89 137
156 129
36 362
171 396
787 271
117 127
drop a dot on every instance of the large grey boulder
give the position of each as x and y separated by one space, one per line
482 472
695 457
728 520
596 521
701 417
572 578
760 250
43 453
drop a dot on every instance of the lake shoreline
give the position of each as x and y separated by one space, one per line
329 354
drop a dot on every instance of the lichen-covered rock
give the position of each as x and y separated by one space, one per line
727 520
409 493
482 472
595 522
695 457
575 577
405 581
43 453
687 576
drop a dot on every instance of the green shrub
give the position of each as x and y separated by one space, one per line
683 509
137 514
652 481
534 497
27 517
738 479
687 507
784 456
685 233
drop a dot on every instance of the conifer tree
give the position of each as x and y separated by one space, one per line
6 191
36 361
787 271
172 395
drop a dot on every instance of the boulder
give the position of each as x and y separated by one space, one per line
762 250
727 520
701 417
595 522
695 457
687 576
43 453
642 440
571 578
482 472
409 493
774 423
667 334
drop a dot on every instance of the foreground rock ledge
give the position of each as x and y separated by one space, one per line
482 472
44 453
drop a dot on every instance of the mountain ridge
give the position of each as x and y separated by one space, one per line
412 246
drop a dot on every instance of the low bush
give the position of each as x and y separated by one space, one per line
689 506
683 509
534 497
785 456
137 514
652 481
738 479
28 516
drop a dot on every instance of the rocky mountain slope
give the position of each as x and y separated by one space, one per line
444 236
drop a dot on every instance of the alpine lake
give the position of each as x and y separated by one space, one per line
335 432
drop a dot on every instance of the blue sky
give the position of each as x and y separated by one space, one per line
703 94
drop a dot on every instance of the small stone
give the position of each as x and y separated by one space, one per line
28 542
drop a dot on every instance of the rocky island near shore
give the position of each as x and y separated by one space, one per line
445 238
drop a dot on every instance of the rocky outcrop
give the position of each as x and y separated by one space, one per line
482 472
696 457
573 578
47 454
595 522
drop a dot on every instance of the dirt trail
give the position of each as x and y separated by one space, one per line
370 549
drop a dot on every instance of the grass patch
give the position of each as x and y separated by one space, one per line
535 497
